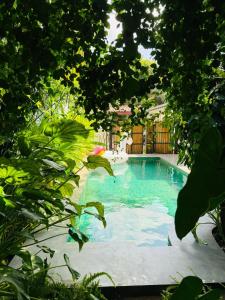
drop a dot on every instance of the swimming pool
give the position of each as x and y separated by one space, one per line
140 202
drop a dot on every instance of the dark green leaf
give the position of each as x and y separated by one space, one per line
211 295
76 179
15 279
24 146
78 237
216 201
46 249
74 273
189 288
205 182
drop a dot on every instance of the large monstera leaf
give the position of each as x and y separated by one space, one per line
205 185
62 141
44 172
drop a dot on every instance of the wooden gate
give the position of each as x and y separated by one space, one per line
158 139
137 146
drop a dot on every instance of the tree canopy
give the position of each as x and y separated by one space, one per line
189 48
53 37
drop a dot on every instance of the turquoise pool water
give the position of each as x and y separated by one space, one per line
140 202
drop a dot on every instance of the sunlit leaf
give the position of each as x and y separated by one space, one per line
95 161
100 208
100 218
67 189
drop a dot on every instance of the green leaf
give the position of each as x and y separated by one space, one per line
15 279
74 273
23 146
11 171
65 130
93 297
37 194
211 295
76 179
204 183
216 201
98 205
39 139
30 262
7 202
70 128
70 163
95 161
78 237
31 215
91 278
100 208
27 235
189 288
78 208
2 193
46 249
102 219
67 189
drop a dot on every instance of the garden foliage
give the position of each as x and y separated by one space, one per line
191 288
43 143
189 42
38 176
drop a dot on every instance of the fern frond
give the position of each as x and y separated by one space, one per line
88 279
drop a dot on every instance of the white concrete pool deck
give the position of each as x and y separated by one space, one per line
132 265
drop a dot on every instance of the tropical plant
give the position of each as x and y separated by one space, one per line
193 80
34 281
67 41
38 181
188 47
191 288
38 175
